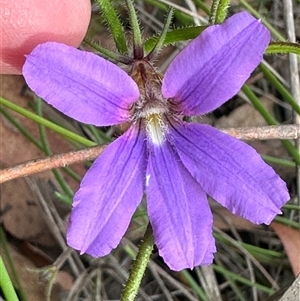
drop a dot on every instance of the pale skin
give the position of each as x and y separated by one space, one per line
27 23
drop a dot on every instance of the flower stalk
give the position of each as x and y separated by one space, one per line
138 270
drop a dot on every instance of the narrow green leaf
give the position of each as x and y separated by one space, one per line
257 252
175 36
62 131
280 88
46 148
283 48
287 222
194 285
14 277
20 127
201 5
291 207
238 278
138 50
218 11
107 54
279 161
6 284
114 24
153 53
255 13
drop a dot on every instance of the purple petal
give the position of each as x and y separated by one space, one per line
231 172
80 84
108 196
215 65
178 210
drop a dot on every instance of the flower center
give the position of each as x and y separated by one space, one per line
152 108
155 128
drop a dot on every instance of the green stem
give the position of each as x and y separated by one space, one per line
259 16
133 283
271 121
46 148
35 141
194 285
6 284
9 262
279 161
45 122
201 5
280 88
229 275
21 128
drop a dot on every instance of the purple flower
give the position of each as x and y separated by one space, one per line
176 164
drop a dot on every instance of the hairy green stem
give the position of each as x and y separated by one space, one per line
133 283
283 48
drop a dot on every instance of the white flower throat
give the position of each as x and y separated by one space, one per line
152 108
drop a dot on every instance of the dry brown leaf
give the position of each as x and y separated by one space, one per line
291 241
224 219
64 280
14 147
21 214
40 259
34 288
23 219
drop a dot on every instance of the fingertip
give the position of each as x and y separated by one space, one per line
28 23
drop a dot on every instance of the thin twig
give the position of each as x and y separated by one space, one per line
284 132
38 165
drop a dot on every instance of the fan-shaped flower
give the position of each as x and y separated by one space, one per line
176 164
